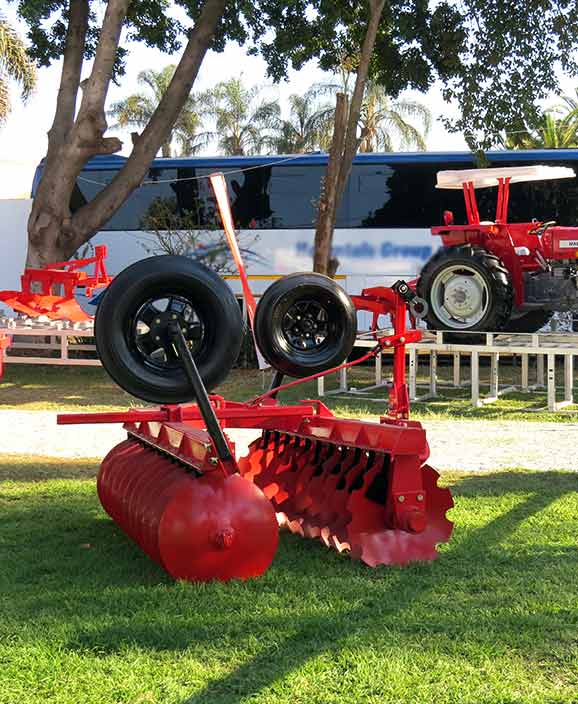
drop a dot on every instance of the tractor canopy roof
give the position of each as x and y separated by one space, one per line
486 178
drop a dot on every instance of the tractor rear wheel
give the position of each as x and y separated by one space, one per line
305 324
467 290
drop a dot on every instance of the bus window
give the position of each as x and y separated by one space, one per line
542 200
294 195
141 207
400 195
248 195
272 198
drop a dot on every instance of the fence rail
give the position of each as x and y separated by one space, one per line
48 337
546 348
64 342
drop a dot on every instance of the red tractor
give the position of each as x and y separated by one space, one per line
496 275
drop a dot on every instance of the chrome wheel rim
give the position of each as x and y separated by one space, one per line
460 297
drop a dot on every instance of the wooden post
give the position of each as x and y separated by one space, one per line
494 379
475 375
525 375
433 373
457 369
551 382
568 378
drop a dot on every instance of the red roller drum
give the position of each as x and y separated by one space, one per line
198 528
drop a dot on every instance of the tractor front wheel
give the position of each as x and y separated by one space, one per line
467 290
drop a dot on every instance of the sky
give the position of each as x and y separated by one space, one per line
23 138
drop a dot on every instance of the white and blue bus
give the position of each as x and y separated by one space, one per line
383 223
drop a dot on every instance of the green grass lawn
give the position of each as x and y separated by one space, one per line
87 618
34 387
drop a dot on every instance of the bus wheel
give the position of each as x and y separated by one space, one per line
305 324
132 327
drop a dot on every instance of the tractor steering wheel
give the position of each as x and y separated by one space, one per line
541 228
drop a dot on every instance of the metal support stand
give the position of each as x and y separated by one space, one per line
202 397
276 381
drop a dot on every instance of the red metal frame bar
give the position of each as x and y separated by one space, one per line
263 411
503 200
471 203
68 275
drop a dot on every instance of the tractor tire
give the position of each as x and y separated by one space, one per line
532 321
466 282
305 324
132 327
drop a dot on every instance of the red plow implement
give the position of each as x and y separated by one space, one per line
49 291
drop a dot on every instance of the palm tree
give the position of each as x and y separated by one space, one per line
549 132
384 123
383 119
244 124
137 109
15 64
308 127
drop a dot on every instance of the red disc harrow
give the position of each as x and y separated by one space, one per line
361 488
166 329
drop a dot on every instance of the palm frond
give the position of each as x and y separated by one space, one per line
4 100
15 64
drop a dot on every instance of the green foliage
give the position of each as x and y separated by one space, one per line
510 63
136 110
15 64
148 21
555 129
308 126
496 58
385 123
245 123
382 119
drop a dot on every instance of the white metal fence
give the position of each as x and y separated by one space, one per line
537 354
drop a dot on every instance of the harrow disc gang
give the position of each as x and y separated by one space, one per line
198 527
358 487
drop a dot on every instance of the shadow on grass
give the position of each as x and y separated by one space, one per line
311 601
326 634
28 468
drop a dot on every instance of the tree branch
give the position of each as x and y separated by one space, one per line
351 139
70 76
93 215
95 90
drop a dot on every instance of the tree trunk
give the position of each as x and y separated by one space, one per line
327 210
53 232
344 146
71 142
